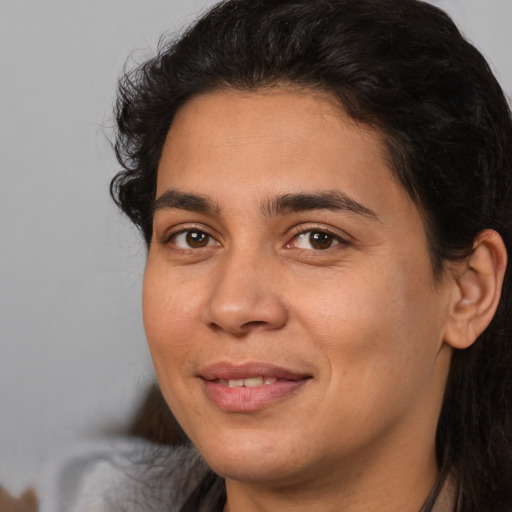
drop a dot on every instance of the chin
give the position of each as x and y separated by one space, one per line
254 460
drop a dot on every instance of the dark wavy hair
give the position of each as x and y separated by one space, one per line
403 68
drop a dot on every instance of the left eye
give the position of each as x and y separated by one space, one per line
316 240
192 239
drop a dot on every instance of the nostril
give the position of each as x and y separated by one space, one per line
242 329
253 324
214 327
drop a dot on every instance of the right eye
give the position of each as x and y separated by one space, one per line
192 239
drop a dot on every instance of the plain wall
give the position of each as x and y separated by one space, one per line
73 359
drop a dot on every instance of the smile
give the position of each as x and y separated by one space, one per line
249 387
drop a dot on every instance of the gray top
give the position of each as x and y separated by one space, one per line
121 475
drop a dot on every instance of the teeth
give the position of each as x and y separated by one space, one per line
251 382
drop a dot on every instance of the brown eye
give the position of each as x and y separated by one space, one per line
320 240
316 240
197 239
192 239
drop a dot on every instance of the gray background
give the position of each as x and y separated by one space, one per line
73 360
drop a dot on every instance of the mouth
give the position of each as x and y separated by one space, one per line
250 387
250 382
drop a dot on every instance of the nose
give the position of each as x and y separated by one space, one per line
246 297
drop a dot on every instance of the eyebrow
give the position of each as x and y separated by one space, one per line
174 200
333 200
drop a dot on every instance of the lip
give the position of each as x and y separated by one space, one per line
246 399
226 370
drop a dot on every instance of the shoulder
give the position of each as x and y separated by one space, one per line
128 474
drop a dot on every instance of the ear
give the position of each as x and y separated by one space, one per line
477 283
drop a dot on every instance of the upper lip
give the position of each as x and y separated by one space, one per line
225 370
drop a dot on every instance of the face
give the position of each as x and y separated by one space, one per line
290 306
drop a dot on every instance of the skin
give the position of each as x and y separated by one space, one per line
365 318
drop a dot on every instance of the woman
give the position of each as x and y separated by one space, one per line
324 189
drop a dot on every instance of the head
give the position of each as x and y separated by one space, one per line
402 82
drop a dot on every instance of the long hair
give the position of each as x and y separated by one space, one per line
403 68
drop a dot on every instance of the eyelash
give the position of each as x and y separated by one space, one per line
335 239
171 238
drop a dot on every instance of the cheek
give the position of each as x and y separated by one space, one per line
376 330
170 314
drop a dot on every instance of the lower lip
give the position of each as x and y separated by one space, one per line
242 399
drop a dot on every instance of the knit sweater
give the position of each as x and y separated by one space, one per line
121 475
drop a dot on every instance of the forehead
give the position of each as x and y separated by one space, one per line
278 140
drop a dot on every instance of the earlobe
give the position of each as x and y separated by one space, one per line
477 283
